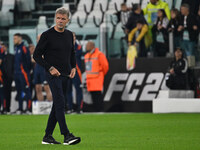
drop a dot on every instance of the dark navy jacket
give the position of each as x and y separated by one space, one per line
22 60
78 54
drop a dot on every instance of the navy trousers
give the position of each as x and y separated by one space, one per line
76 81
58 109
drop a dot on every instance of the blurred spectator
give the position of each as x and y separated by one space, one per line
32 86
134 17
173 27
160 34
198 19
76 81
39 79
188 28
123 15
22 65
198 23
152 9
136 37
8 70
178 69
194 5
96 68
2 100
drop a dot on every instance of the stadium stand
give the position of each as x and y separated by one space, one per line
96 15
6 14
80 16
129 3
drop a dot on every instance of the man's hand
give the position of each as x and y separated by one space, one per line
54 72
195 27
180 28
171 71
73 72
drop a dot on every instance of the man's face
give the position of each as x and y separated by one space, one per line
17 40
178 53
89 46
4 48
61 21
139 26
153 1
123 8
159 13
184 10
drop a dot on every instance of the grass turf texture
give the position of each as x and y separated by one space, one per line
105 132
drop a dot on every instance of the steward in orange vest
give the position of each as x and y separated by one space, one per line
96 68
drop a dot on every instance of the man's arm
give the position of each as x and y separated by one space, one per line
73 61
104 63
39 51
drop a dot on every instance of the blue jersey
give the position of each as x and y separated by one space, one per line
22 59
78 50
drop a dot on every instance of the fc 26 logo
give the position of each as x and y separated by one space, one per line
135 81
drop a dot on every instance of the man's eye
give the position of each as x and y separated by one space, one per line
63 19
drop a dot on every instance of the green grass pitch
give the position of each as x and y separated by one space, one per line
134 131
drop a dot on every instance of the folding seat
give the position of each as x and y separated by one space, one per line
96 15
42 25
6 16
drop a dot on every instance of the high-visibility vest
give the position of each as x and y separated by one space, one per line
92 66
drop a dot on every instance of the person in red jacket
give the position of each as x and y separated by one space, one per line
96 68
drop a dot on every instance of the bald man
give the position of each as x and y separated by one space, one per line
97 67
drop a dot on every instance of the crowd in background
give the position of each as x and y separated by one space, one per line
149 29
149 34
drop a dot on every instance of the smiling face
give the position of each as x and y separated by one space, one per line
61 21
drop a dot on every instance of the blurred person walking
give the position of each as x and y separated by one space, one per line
8 70
76 81
39 79
22 66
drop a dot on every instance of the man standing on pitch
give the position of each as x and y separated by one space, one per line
55 52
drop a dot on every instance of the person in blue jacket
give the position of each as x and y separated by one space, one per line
22 66
76 81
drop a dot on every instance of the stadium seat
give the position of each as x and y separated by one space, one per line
114 6
6 16
116 43
80 16
170 3
144 3
129 3
178 4
96 15
26 5
42 26
84 5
